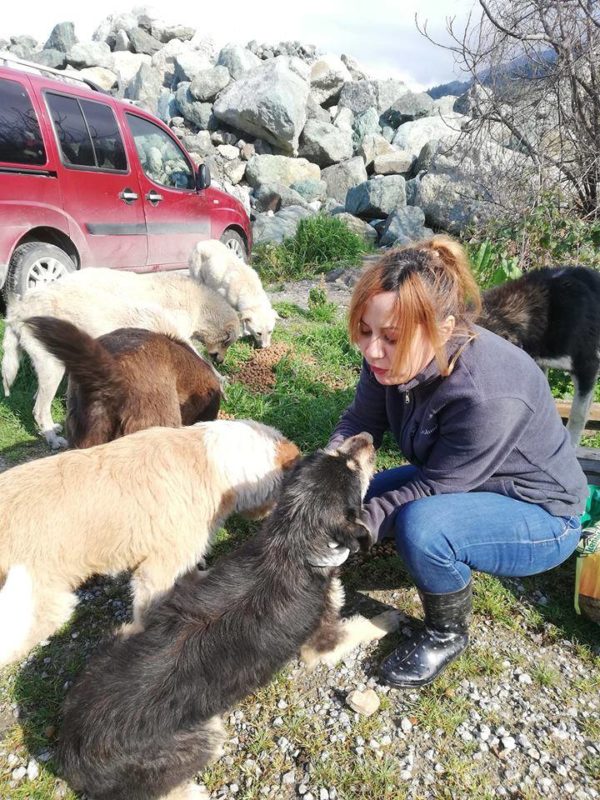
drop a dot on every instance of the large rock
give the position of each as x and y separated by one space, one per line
127 65
372 146
310 190
325 144
208 83
277 227
143 42
408 107
269 102
358 96
189 63
145 88
193 111
366 124
90 54
106 79
55 59
388 91
274 196
165 32
315 111
403 226
163 61
280 169
62 37
238 60
412 136
397 163
327 76
359 226
106 31
343 176
377 197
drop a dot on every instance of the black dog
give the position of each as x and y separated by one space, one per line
144 716
554 315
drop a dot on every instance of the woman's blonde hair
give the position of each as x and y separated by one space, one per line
432 281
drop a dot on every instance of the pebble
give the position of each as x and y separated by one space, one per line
365 703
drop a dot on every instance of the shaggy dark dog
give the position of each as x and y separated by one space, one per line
128 380
554 315
144 716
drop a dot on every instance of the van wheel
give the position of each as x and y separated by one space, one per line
234 241
36 263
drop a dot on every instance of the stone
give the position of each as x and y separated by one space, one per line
327 76
324 144
105 78
273 196
359 226
90 54
408 107
126 65
365 703
143 42
373 145
192 110
412 136
62 37
310 190
396 163
280 169
280 226
358 96
376 197
343 176
145 88
189 63
207 84
55 59
268 102
237 59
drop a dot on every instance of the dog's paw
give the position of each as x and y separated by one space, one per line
129 628
387 621
56 442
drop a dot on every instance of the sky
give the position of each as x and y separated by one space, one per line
381 36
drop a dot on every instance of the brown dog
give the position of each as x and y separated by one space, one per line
128 380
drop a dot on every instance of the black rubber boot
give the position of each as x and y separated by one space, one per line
422 657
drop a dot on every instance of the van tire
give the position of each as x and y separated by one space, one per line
33 264
235 242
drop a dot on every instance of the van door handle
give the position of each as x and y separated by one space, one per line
128 195
154 197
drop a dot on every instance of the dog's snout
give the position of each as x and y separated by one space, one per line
216 358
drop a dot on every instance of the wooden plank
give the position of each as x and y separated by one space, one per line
593 421
589 459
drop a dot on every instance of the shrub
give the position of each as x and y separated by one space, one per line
320 244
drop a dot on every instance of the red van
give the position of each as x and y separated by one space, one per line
90 181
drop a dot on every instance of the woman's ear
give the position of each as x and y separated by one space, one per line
447 327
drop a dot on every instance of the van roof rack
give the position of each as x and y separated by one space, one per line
11 59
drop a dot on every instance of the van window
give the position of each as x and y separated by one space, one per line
102 125
162 160
87 133
20 136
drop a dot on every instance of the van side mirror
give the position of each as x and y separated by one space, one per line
202 178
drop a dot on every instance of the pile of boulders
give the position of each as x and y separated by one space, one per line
290 131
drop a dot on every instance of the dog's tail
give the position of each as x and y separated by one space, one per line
11 357
16 612
87 362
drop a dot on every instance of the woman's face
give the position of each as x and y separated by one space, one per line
377 342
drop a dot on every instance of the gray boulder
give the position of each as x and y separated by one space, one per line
327 76
208 83
344 119
198 143
358 96
366 124
353 67
310 190
121 42
408 107
165 32
145 88
62 37
238 60
189 63
274 196
325 144
163 61
411 136
90 54
143 42
269 102
127 65
55 59
404 225
106 31
277 227
105 78
315 111
280 169
377 197
343 176
412 187
359 226
199 114
397 163
372 146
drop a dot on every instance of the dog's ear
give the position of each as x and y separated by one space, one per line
362 535
231 335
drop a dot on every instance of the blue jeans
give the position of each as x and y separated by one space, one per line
443 537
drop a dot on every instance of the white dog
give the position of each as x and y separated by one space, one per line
214 264
100 300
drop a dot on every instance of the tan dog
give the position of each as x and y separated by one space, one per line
148 502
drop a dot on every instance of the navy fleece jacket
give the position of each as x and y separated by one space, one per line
489 426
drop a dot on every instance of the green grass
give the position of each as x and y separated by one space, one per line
313 384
